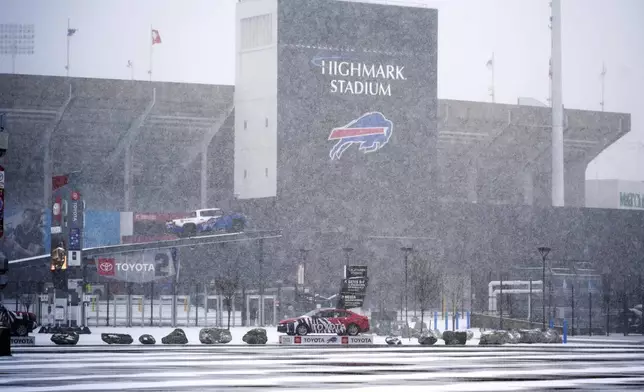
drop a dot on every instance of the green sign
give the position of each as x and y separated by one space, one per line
631 200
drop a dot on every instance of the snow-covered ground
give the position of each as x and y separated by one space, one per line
250 368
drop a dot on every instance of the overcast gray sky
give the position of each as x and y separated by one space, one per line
198 47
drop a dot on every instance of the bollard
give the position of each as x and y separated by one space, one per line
456 320
447 321
5 342
565 331
435 320
468 319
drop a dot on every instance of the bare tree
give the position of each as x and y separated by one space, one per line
426 280
227 284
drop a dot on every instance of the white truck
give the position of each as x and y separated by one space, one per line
206 220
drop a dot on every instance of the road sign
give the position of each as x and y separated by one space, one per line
354 285
355 271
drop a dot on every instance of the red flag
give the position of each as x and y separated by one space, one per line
156 38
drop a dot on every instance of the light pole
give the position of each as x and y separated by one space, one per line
407 250
299 279
543 250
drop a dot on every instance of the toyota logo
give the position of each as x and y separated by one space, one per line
106 266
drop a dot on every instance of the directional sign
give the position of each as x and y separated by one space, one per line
355 285
352 300
355 271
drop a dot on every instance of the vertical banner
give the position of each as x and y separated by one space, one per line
1 202
76 226
67 217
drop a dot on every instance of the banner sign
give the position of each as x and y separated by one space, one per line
138 267
17 341
350 301
1 201
354 286
76 221
355 271
323 340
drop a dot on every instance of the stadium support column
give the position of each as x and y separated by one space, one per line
557 109
204 176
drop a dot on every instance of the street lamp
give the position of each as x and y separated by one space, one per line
543 250
407 250
299 276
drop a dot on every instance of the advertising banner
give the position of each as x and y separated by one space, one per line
324 340
76 220
67 216
25 234
151 226
1 202
102 228
138 267
19 341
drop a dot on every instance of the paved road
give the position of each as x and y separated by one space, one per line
246 368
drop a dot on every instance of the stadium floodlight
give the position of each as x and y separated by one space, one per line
17 40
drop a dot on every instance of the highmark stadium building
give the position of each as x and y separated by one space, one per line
332 134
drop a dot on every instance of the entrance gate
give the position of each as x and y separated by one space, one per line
122 310
137 310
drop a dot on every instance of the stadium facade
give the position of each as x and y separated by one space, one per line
334 135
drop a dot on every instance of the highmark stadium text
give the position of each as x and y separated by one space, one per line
360 70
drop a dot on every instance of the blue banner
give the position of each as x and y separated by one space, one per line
102 228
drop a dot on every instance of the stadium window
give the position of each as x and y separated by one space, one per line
266 172
245 173
245 124
266 122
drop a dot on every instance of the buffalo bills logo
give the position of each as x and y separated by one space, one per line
370 132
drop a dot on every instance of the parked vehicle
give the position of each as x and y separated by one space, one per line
339 321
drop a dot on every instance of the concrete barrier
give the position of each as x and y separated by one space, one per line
325 340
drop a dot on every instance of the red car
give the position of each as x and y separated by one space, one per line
340 321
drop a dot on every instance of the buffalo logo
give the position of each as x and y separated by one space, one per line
75 195
371 132
332 339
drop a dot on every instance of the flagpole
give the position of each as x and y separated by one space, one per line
68 40
151 45
491 64
603 76
493 85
